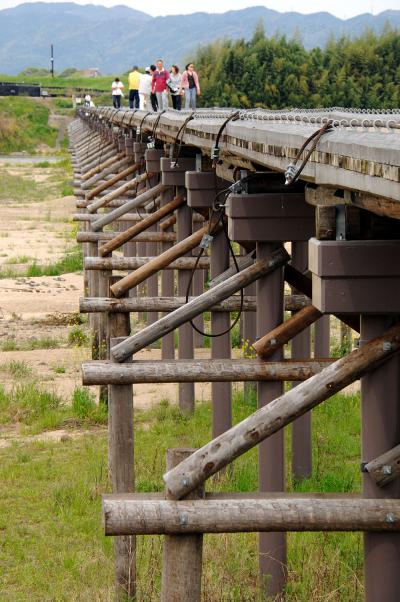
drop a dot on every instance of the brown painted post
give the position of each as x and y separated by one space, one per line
167 284
152 251
94 292
221 393
141 248
272 546
186 350
182 554
198 289
301 349
121 461
249 320
380 394
322 335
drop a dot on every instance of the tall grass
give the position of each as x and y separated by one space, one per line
58 555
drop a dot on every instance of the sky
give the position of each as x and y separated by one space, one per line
340 8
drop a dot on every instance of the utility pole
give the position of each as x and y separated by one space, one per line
52 60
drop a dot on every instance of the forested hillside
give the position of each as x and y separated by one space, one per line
277 73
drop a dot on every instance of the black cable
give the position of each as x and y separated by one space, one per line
219 210
232 117
315 137
181 129
141 125
157 121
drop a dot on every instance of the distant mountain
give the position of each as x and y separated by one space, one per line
113 39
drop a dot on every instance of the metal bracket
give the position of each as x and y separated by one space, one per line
206 241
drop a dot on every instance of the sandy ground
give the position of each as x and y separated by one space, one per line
41 307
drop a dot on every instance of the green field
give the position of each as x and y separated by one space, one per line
52 545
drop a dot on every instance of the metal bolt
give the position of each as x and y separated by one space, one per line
387 346
390 518
273 342
387 469
183 519
185 482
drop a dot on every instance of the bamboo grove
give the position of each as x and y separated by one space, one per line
278 73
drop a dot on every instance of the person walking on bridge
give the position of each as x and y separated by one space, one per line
134 83
117 86
174 83
145 90
191 86
159 85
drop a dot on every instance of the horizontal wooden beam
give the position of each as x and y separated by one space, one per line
167 304
269 419
90 217
199 371
329 197
122 516
143 237
134 263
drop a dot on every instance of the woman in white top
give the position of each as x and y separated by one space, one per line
145 90
117 86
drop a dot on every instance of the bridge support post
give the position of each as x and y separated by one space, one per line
301 428
272 546
221 393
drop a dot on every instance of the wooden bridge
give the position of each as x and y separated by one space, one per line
312 200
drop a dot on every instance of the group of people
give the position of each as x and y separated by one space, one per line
150 90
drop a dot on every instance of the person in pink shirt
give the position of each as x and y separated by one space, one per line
159 85
191 86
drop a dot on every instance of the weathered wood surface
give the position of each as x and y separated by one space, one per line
134 263
138 201
92 217
364 159
200 304
145 517
202 371
146 222
268 420
287 331
181 248
101 166
117 178
243 262
329 197
114 168
384 469
143 237
118 192
167 304
182 554
167 223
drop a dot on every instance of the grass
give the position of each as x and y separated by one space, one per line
53 547
44 342
37 409
24 125
70 263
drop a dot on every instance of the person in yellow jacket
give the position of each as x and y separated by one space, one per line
133 84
